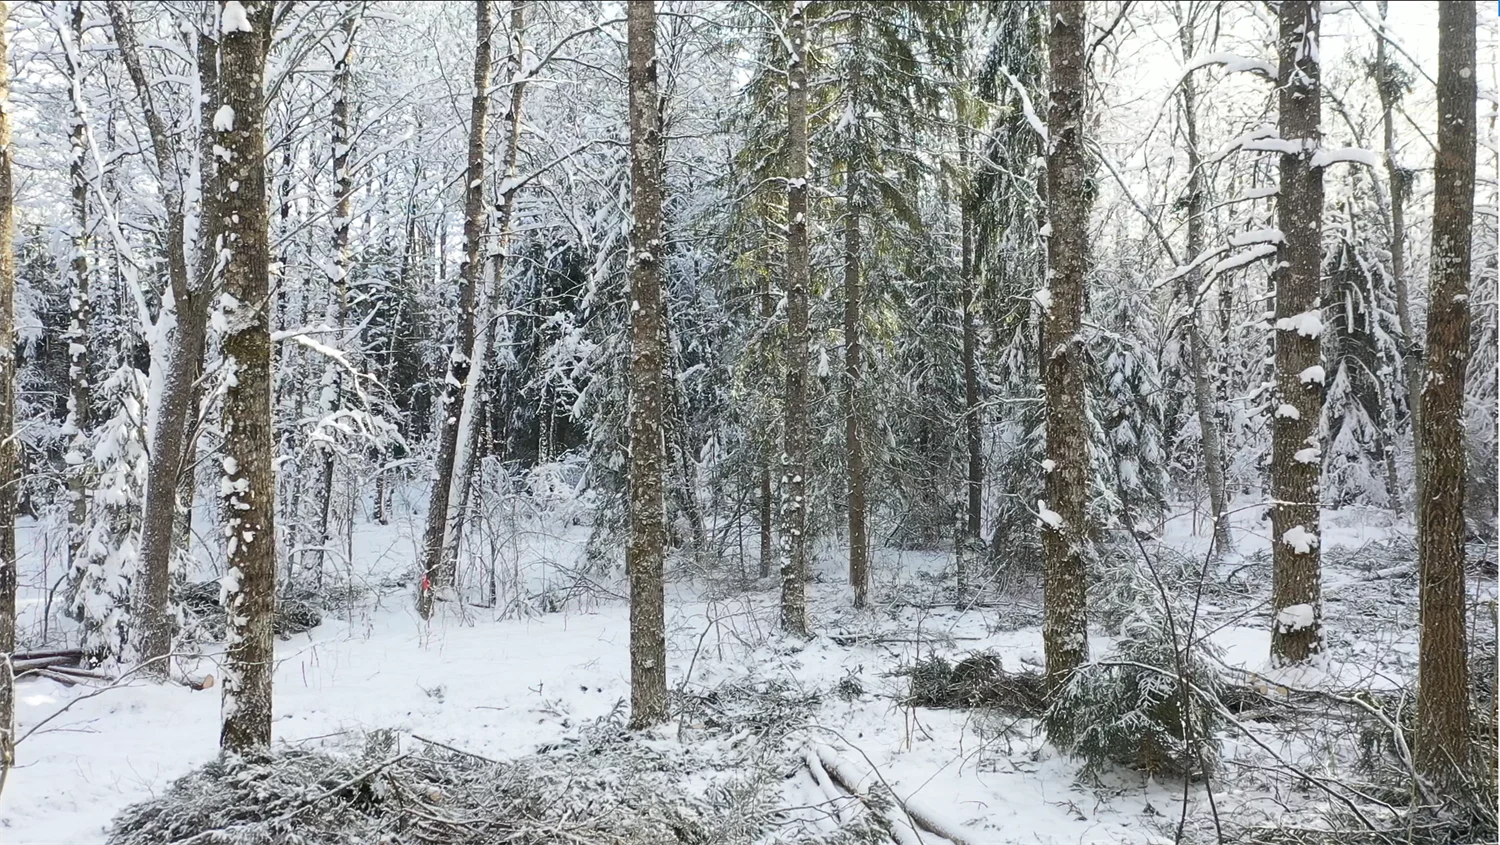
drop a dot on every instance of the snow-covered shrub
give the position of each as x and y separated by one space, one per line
1132 708
115 473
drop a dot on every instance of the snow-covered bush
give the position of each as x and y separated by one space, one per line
1138 706
115 469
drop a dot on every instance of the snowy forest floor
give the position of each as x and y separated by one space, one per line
504 687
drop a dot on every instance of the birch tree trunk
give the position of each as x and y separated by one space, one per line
1442 735
343 189
1192 285
1296 444
171 418
794 464
80 306
10 471
645 553
438 573
1064 518
237 198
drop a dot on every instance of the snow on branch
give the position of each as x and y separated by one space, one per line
1232 64
1352 155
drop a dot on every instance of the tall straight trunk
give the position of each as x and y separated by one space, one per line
80 305
859 540
343 190
646 551
1065 528
971 543
438 573
1192 284
10 470
1400 186
767 508
171 420
1442 735
1296 445
794 464
469 422
237 198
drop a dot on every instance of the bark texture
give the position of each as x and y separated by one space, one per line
971 543
859 539
794 465
1064 523
1296 445
1442 736
9 459
80 305
646 551
172 418
237 198
437 572
1192 289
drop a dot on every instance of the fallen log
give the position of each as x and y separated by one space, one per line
23 665
50 675
75 653
846 775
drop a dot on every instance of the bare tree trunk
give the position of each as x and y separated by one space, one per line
859 540
971 543
10 470
1192 284
1064 517
343 189
1387 84
1296 446
767 493
1442 735
170 420
646 551
80 305
470 426
238 199
438 573
794 463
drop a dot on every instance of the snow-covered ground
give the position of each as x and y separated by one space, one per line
504 687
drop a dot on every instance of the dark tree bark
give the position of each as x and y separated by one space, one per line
794 464
971 544
767 491
1065 528
174 418
10 471
1386 84
1296 447
645 554
1442 736
859 540
438 573
237 198
1192 284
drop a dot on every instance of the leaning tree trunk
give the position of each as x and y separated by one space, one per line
1064 515
171 419
438 573
648 530
1192 294
1296 444
238 200
794 463
1442 735
470 427
10 471
80 305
